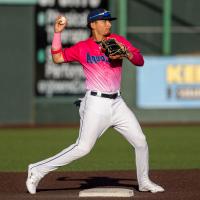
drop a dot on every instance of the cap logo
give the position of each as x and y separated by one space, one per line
99 14
104 14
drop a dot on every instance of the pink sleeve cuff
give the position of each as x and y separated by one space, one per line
56 51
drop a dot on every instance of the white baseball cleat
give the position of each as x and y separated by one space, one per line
148 185
33 179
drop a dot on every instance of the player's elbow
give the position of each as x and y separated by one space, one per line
140 63
137 59
57 59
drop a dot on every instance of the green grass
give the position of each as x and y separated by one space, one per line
170 148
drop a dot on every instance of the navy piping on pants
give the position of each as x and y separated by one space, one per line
73 146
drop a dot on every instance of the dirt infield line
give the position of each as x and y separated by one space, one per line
179 185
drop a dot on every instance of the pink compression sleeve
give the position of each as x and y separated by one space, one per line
56 43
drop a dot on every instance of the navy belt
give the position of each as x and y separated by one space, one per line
109 96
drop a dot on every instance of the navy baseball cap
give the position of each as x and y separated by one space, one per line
99 14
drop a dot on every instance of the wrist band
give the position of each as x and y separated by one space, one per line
56 51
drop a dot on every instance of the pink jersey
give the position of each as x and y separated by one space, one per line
101 74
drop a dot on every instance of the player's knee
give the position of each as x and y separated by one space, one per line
84 149
141 142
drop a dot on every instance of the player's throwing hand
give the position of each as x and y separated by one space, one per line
60 23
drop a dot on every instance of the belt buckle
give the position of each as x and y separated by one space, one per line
98 94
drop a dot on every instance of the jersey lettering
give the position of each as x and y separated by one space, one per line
95 59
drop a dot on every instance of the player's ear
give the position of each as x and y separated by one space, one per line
92 25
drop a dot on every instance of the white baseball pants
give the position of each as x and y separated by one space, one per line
97 114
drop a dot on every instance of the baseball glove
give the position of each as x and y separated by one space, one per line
111 47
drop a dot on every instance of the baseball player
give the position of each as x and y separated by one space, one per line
102 106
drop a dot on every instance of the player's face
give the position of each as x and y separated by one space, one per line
102 27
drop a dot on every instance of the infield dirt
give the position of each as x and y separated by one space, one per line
179 185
